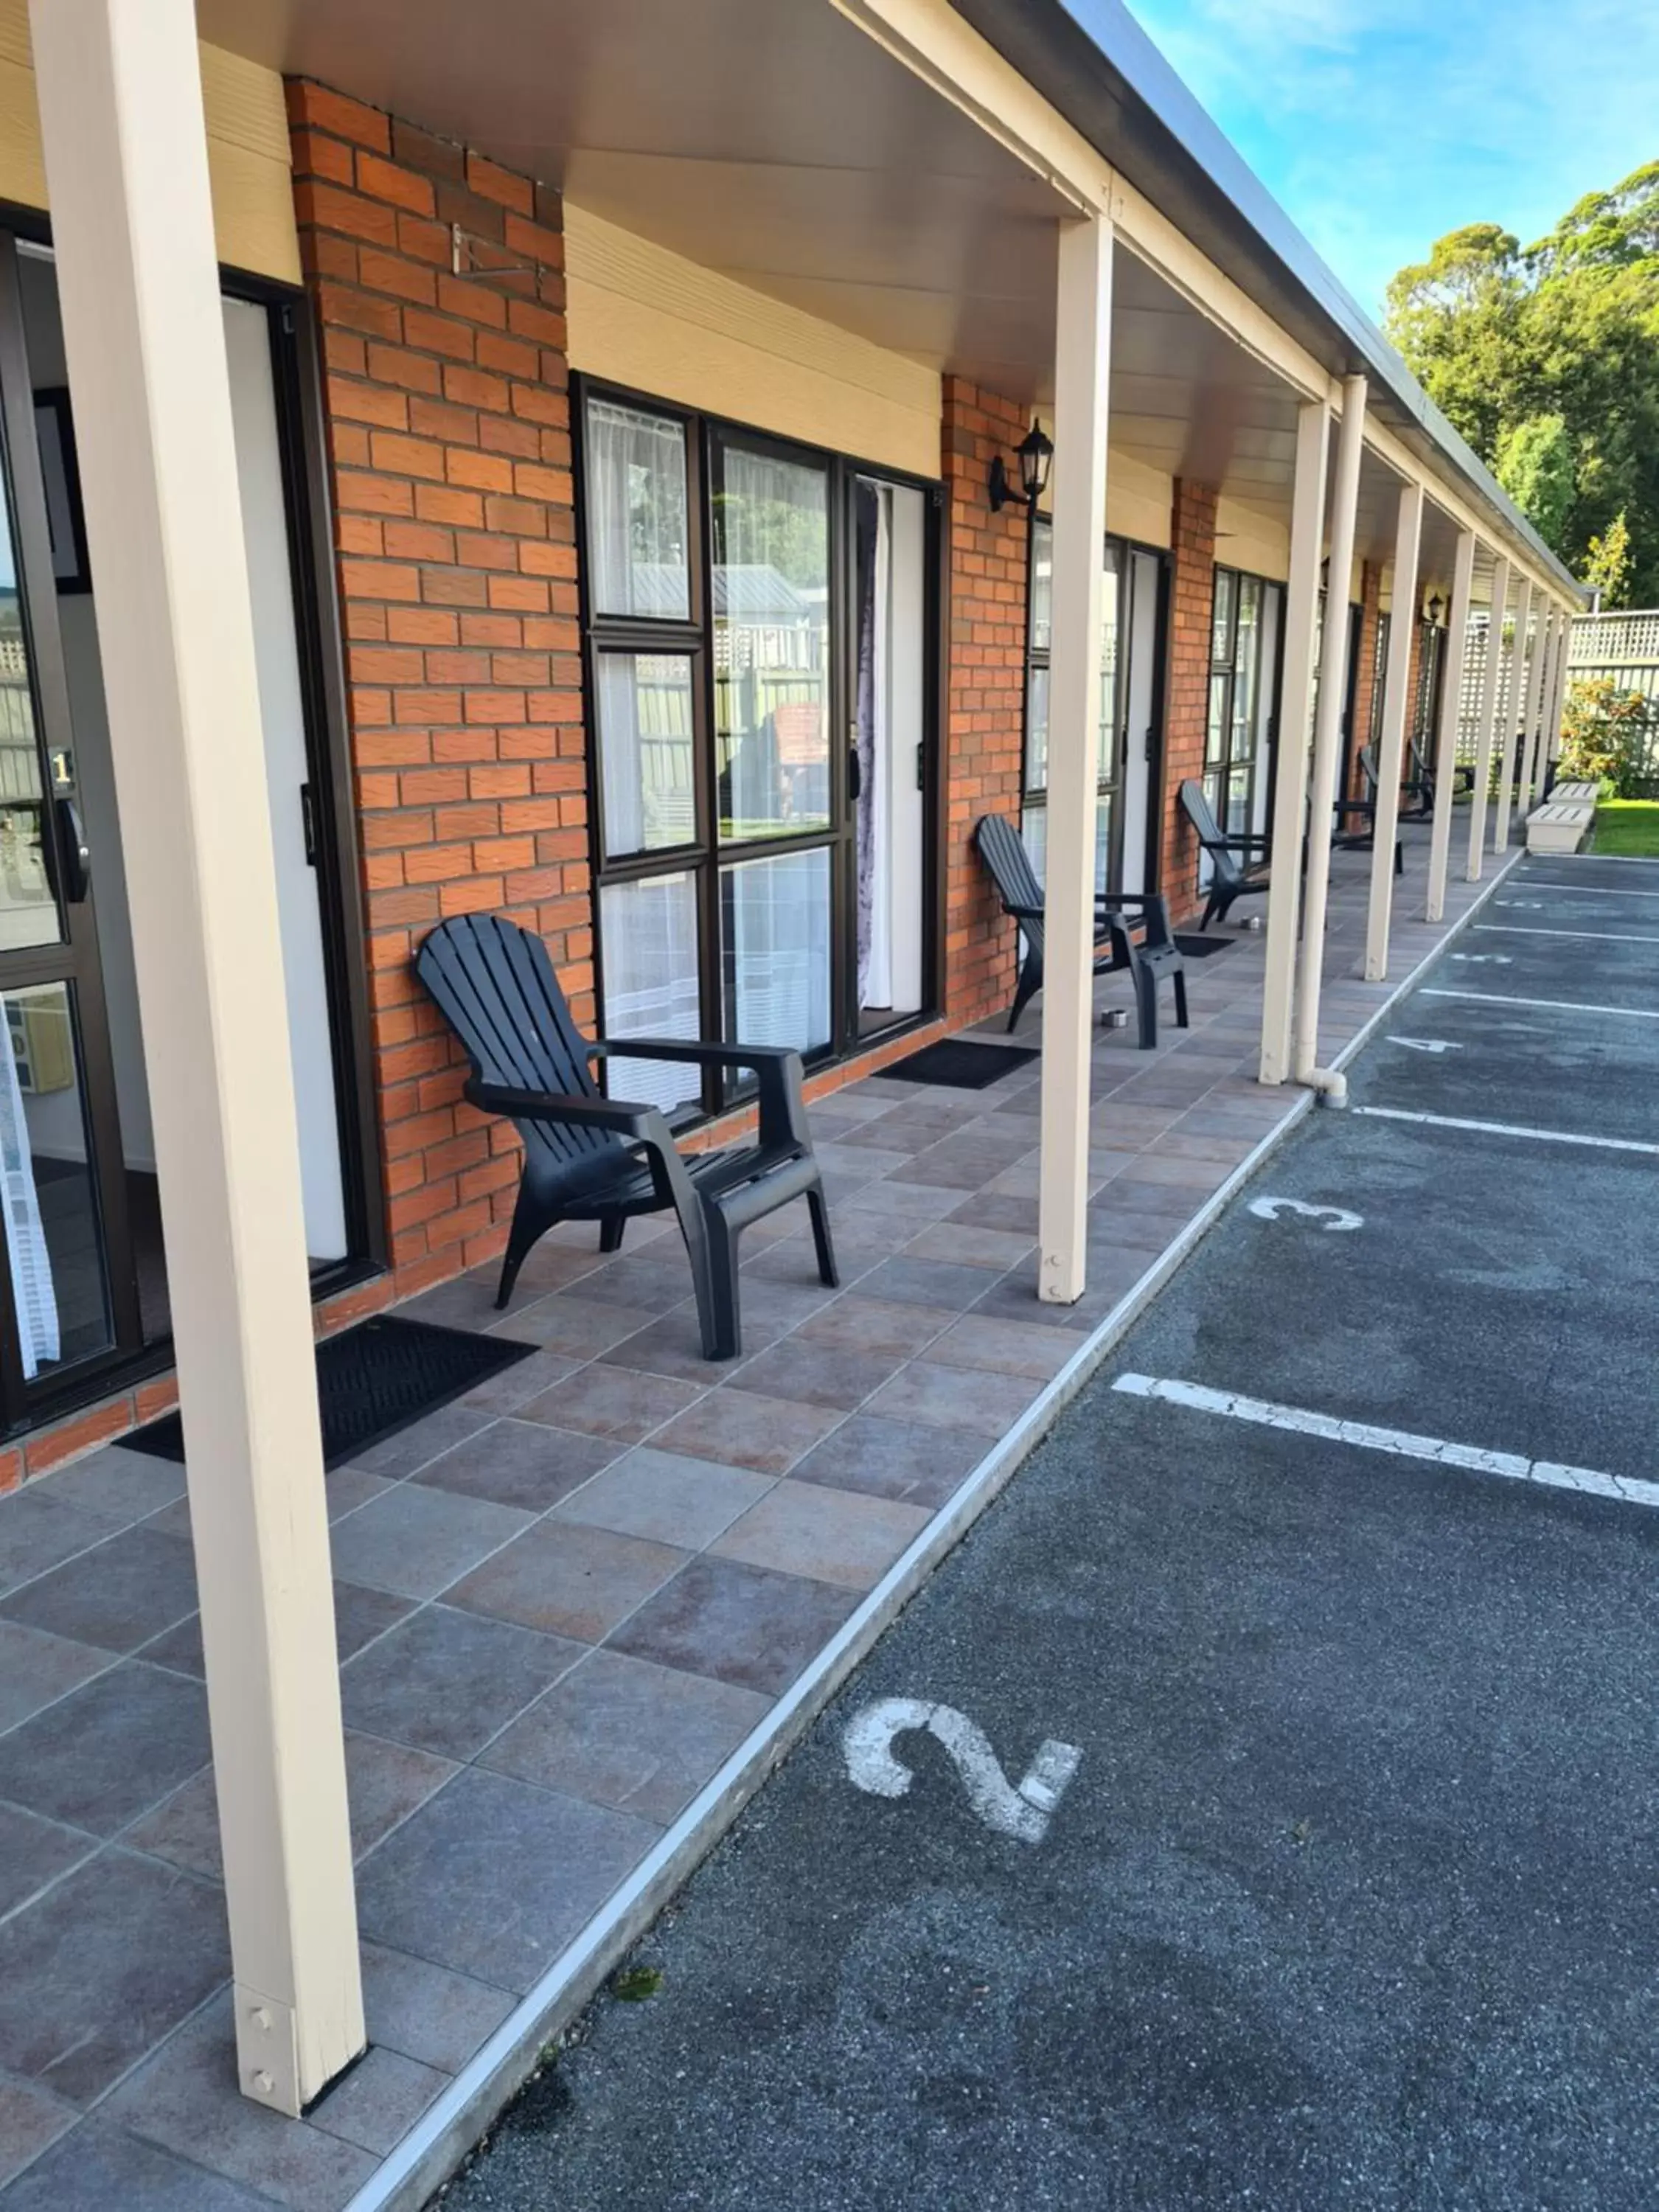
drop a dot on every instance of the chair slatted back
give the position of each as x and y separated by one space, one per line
1195 803
1368 768
1002 849
498 991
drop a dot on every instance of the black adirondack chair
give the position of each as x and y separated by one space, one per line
1131 929
1462 773
1416 792
592 1158
1228 881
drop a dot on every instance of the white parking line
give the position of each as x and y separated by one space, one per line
1575 891
1554 1005
1507 1129
1262 1413
1596 936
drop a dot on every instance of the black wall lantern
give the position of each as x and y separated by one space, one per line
1033 452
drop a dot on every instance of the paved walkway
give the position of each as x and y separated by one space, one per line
579 1614
1320 1636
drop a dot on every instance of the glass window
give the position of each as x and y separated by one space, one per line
775 937
1036 730
1042 583
1221 616
646 750
54 1242
771 646
28 912
638 560
649 935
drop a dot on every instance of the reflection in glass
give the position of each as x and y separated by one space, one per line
53 1240
28 912
645 752
1036 730
636 497
649 932
776 933
1042 583
771 646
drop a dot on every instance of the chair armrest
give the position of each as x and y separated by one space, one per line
1243 842
1017 910
777 1067
641 1124
1366 806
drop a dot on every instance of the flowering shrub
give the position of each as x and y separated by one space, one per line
1609 735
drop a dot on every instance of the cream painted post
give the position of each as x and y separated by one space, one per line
1535 679
1083 346
120 99
1516 706
1327 721
1550 688
1451 708
1313 425
1408 533
1563 674
1491 693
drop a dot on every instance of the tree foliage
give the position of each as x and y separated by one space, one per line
1546 358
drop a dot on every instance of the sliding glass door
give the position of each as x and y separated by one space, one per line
752 646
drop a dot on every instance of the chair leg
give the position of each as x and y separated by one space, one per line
1145 983
696 1222
611 1231
722 1327
527 1228
1209 914
1030 982
818 1209
1179 980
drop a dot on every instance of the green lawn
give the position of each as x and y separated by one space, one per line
1629 827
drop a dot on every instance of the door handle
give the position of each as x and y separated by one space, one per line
77 854
854 775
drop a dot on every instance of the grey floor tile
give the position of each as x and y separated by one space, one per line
973 1244
526 1379
117 1597
567 1322
447 1681
37 1669
34 1852
672 1345
117 1485
953 1398
566 1580
29 2120
360 1615
737 1623
525 1464
411 1448
940 1283
100 2168
808 1372
649 1282
665 1497
107 1961
624 1733
743 1429
907 1201
904 1460
1001 1347
881 1327
428 2012
827 1535
494 1878
379 2101
349 1487
414 1541
612 1401
187 2099
108 1750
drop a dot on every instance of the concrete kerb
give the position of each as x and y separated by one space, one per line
428 2156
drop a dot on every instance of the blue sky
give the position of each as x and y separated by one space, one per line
1380 125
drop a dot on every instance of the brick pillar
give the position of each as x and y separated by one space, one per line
449 441
985 712
1407 766
1367 676
1187 687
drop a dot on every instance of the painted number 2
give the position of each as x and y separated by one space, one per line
1021 1809
1327 1217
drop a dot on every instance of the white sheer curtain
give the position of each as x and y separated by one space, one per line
650 958
636 519
771 643
777 949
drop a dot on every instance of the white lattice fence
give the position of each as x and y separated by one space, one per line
1624 647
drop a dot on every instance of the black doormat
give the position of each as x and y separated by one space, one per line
1193 947
373 1380
963 1067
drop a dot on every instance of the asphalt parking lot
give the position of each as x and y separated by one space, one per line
1334 1878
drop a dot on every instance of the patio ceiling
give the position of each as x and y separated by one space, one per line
774 141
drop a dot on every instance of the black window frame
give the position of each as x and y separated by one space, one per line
1218 772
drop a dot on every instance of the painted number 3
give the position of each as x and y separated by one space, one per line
1327 1217
1022 1809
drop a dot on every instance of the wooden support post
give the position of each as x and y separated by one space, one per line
120 99
1515 706
1486 717
1408 533
1083 346
1451 703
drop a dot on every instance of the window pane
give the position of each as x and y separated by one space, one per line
771 646
1236 820
54 1236
1215 732
1102 840
1043 584
1221 616
646 750
1034 828
1245 662
1107 768
1379 687
28 912
635 493
774 918
1036 730
648 939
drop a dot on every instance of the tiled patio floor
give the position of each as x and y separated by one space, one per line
562 1604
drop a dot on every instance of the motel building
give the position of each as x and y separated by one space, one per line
661 473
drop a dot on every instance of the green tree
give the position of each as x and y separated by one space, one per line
1546 358
1606 564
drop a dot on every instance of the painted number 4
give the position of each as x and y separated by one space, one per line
1022 1810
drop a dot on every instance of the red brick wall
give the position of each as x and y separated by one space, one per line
1187 685
1369 675
449 437
985 705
